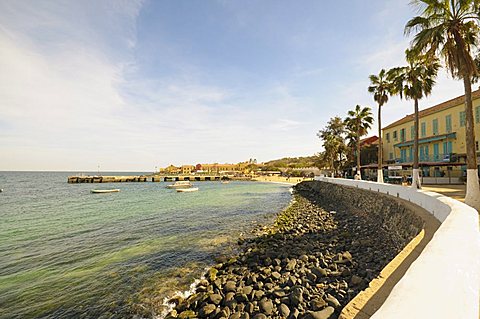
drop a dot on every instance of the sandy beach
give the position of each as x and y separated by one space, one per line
281 179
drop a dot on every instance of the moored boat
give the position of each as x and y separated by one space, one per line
102 191
187 190
182 184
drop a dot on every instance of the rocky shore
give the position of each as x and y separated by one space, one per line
309 264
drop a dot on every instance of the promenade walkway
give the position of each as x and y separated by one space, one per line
454 191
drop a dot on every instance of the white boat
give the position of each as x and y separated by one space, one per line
101 191
187 190
225 182
183 184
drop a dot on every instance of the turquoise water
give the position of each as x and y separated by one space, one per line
67 253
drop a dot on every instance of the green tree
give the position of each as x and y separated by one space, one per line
381 88
414 82
333 143
358 122
451 30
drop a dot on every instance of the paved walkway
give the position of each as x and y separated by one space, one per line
454 191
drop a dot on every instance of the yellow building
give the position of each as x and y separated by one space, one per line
187 169
170 170
220 168
441 140
216 168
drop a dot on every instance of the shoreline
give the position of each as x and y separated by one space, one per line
281 179
300 266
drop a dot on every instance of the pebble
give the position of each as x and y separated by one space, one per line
283 310
215 298
266 306
307 264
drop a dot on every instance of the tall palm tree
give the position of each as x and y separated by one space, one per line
359 122
381 88
414 82
451 30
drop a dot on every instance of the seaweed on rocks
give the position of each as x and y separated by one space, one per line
308 264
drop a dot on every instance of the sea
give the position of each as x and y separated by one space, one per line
68 253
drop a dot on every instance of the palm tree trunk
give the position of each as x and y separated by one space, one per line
358 155
380 151
472 196
416 174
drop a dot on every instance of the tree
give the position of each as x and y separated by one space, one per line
358 122
450 29
413 82
333 143
381 88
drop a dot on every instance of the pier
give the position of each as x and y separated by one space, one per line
142 178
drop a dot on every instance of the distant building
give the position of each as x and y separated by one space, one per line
215 168
187 169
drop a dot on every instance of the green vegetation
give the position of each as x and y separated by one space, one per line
358 122
414 82
336 152
381 87
287 165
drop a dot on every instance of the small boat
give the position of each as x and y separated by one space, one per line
225 182
102 191
183 184
187 190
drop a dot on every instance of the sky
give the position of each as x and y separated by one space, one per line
125 85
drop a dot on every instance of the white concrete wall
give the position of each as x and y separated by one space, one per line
444 281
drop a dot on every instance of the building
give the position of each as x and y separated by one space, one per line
442 148
187 169
216 168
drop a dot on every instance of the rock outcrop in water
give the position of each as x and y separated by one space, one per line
319 254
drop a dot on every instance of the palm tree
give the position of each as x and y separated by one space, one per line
381 88
359 122
451 30
414 82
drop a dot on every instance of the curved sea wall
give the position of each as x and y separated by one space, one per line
317 256
444 281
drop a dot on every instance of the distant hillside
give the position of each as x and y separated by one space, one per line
292 162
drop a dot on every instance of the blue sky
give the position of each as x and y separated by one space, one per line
130 85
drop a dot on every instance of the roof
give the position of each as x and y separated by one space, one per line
369 140
437 108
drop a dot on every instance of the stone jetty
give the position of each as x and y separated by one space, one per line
146 178
318 255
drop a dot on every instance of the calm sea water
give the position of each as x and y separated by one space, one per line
66 253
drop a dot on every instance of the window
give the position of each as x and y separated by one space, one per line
423 129
388 137
476 145
477 114
447 147
395 136
462 119
390 155
435 126
436 156
448 123
412 131
402 135
403 155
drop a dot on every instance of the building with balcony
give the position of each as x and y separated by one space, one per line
441 138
